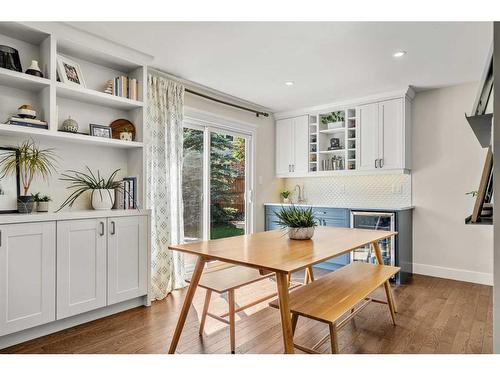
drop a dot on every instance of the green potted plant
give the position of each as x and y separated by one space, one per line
32 161
299 222
102 190
42 202
285 196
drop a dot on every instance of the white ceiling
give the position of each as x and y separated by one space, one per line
328 61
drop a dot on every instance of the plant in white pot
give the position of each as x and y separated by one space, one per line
102 190
285 196
42 202
29 161
298 221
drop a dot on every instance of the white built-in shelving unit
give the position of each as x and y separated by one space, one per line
55 101
322 157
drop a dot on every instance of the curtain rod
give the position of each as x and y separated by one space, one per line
257 113
185 82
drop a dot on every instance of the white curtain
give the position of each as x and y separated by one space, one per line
163 182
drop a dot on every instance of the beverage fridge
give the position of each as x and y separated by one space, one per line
377 221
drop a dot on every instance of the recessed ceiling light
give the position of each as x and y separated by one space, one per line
399 54
289 83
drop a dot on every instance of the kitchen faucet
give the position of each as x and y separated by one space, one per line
300 198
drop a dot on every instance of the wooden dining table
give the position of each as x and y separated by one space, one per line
273 251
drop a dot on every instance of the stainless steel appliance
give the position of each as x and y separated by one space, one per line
377 221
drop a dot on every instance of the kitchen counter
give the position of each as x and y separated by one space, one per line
350 208
68 215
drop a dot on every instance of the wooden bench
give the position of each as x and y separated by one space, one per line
226 278
344 291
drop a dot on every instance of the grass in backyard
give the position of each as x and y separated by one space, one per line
225 230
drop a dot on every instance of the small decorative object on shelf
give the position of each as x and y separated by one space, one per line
28 162
34 69
285 196
42 202
26 111
101 131
69 72
125 135
9 59
9 182
121 124
102 189
70 125
334 144
298 221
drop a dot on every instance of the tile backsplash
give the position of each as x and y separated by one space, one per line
375 191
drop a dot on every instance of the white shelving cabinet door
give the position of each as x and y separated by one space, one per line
28 276
391 134
284 146
368 129
300 144
81 266
127 258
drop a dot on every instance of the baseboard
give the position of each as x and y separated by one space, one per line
58 325
453 273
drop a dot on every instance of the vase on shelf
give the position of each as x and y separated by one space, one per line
103 199
69 125
25 204
34 69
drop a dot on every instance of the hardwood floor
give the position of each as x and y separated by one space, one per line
434 316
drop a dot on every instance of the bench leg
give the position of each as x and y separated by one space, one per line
232 319
387 285
309 275
295 319
333 338
208 295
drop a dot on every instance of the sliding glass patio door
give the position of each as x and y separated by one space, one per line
216 183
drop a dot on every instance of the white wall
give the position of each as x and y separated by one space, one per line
447 163
267 187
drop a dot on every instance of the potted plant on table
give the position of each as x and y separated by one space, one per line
102 189
42 202
299 222
31 161
285 196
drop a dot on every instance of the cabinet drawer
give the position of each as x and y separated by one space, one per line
332 213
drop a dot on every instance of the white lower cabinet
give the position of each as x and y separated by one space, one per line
81 266
127 258
27 275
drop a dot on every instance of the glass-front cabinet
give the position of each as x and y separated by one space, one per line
377 221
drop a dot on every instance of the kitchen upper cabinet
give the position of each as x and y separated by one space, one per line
384 135
81 266
292 146
28 275
127 258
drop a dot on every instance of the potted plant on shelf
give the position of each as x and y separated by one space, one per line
334 120
299 222
42 202
285 196
32 162
102 190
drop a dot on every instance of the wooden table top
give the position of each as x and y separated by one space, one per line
274 251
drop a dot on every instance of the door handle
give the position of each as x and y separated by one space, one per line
102 228
113 227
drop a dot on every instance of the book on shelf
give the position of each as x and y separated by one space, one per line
31 123
126 196
124 87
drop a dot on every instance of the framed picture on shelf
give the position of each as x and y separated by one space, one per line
69 71
101 131
10 189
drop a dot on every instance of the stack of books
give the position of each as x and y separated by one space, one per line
123 86
126 197
32 123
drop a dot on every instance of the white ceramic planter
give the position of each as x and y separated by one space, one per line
286 200
42 207
335 125
300 233
103 199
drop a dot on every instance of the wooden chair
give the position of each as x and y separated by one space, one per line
339 293
226 278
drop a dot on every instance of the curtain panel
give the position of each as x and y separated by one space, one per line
164 153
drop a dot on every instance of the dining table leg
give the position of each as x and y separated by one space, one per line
284 308
195 279
387 284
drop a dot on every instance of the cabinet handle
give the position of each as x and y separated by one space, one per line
289 168
102 228
0 238
381 163
376 160
293 167
113 227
